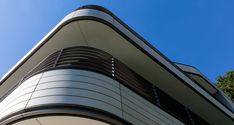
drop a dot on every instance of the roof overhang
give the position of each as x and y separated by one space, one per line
206 84
198 77
93 27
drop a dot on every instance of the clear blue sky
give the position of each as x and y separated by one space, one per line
195 32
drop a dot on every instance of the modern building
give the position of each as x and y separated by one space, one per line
92 69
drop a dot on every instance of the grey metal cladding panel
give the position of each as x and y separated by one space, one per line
78 88
31 82
134 104
13 109
32 78
82 93
152 113
79 85
132 108
84 88
106 83
76 72
25 88
11 104
75 101
145 105
133 120
176 122
14 106
18 99
137 115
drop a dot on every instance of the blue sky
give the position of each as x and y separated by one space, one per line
195 32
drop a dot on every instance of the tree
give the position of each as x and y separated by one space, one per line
226 84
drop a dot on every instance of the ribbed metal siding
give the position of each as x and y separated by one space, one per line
77 87
139 111
96 60
85 88
60 87
19 98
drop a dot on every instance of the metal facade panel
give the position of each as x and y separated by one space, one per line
18 98
86 88
134 104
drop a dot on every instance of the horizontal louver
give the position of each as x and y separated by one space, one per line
99 61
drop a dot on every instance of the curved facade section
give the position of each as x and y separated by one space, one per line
65 87
82 88
18 99
134 82
85 77
77 87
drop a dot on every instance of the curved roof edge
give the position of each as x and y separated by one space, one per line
193 70
152 52
219 95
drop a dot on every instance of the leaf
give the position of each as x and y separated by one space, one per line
226 84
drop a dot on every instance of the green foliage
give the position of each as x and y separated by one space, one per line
226 83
